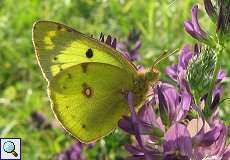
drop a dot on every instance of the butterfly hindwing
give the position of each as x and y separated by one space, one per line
59 47
89 98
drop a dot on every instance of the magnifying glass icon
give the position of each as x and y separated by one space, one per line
9 147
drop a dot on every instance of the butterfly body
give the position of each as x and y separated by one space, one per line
88 81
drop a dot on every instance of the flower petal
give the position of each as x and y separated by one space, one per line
133 150
125 123
135 120
195 22
171 71
226 155
184 57
189 28
177 139
184 106
221 75
209 137
163 106
147 115
193 27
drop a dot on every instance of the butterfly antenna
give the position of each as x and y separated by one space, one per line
164 55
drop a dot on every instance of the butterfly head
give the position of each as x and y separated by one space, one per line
150 75
146 79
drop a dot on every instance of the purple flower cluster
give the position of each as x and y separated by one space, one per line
173 123
169 131
219 13
40 121
74 152
130 48
193 26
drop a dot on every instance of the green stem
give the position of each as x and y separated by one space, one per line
196 98
207 111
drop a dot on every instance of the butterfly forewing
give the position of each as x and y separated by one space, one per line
59 47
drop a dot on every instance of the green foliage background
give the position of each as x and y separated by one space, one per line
22 87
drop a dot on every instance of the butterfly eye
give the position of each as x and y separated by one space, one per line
89 53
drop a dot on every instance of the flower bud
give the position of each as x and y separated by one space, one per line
200 71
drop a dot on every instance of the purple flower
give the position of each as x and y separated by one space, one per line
207 140
170 135
139 154
173 103
218 148
147 116
40 120
185 57
74 152
38 117
221 76
217 93
148 128
177 72
138 126
203 135
148 122
164 126
226 154
130 48
177 143
193 26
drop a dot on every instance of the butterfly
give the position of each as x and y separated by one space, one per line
88 80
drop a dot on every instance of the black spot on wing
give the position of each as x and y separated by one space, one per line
89 53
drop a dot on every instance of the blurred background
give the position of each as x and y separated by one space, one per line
24 106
